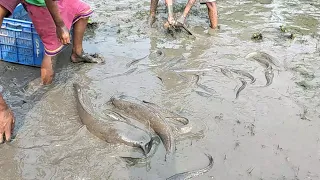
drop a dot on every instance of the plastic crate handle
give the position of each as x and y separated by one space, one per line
13 27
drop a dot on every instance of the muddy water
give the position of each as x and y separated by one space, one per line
267 133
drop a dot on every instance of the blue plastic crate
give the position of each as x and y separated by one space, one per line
20 13
19 41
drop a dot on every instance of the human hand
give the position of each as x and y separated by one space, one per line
175 23
171 21
6 123
63 34
180 21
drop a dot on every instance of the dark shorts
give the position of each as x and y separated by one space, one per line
10 5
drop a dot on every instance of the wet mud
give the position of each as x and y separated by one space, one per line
268 132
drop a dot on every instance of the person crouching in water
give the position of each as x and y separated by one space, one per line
212 12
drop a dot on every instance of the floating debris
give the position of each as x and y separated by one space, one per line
256 36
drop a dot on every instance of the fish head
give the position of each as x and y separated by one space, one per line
143 141
159 52
116 102
120 104
146 147
76 87
145 144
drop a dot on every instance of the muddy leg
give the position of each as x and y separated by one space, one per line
181 20
188 8
78 54
213 15
153 9
47 70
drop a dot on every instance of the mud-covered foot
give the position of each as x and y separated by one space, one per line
47 70
213 31
46 76
86 58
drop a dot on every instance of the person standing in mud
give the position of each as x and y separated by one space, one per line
153 9
6 115
212 13
52 20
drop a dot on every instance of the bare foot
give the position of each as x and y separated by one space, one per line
47 71
47 76
86 58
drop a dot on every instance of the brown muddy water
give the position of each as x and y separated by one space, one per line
269 133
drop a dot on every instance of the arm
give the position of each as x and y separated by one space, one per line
54 11
62 30
170 11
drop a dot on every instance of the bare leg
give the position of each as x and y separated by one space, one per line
188 8
213 15
78 54
79 29
181 20
47 70
153 9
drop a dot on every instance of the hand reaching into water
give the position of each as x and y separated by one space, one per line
171 20
175 23
180 21
61 29
6 122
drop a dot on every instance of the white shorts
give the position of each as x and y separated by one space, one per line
205 1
